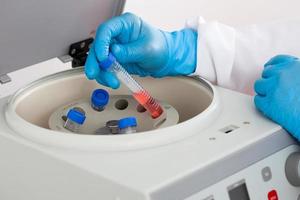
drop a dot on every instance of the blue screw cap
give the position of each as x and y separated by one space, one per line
127 122
105 64
76 116
100 98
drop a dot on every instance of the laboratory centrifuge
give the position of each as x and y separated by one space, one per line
218 146
222 148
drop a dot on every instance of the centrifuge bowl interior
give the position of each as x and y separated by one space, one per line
28 111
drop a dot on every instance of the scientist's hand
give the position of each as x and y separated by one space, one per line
141 49
278 92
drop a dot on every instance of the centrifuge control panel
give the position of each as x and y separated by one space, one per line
274 178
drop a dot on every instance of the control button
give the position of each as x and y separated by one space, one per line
266 174
292 169
272 195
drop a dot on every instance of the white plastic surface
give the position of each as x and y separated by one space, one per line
22 77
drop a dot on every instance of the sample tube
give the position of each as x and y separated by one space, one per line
113 126
99 99
139 93
127 125
75 118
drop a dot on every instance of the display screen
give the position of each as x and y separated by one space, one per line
238 191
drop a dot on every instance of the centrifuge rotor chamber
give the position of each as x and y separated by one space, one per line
29 110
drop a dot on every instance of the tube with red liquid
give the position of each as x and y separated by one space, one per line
138 92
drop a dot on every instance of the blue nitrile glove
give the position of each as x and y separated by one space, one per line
278 92
141 49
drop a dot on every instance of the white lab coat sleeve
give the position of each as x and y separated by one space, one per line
234 57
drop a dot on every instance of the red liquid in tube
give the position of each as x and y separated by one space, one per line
149 103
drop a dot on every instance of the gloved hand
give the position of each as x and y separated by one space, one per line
278 92
141 49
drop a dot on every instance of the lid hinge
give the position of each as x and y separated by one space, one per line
4 78
79 52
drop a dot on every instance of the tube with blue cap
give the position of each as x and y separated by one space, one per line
127 125
139 93
99 99
75 119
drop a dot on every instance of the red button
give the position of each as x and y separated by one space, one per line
272 195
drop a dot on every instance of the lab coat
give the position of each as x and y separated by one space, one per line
234 57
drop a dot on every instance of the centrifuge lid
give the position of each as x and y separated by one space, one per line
33 31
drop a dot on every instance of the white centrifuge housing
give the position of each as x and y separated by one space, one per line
221 149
